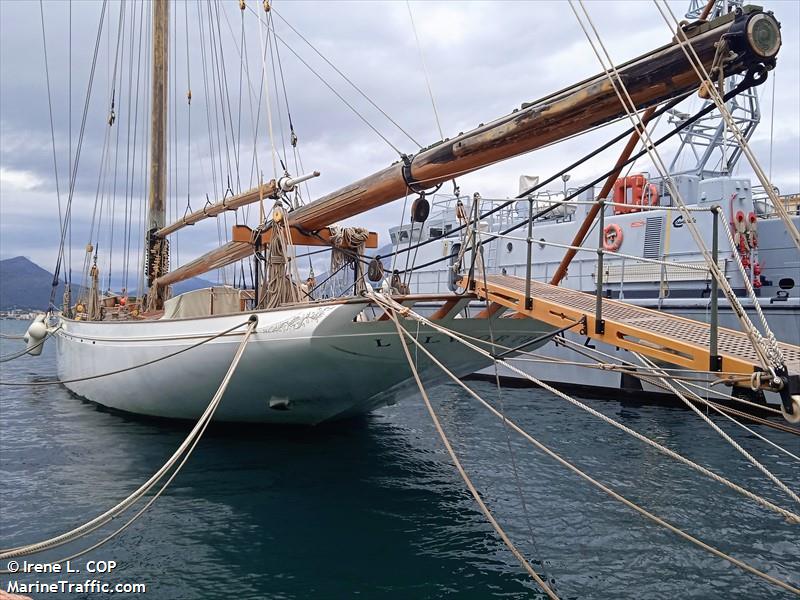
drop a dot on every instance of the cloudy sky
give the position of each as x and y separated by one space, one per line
484 60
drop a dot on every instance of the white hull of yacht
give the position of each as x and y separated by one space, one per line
302 365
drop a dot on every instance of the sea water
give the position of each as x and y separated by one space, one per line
374 508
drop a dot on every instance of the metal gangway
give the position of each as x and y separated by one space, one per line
673 339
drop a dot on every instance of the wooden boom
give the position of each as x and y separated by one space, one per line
264 191
653 78
242 245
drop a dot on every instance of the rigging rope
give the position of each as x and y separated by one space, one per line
186 448
343 76
66 225
267 98
425 70
702 73
773 350
52 132
340 97
701 113
402 333
769 355
475 494
407 312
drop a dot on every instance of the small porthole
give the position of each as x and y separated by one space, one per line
787 283
509 247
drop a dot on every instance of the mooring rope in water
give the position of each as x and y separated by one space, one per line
751 459
189 443
475 494
643 511
150 502
406 311
685 382
588 351
21 353
131 368
693 396
636 371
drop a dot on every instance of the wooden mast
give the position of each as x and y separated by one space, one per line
158 249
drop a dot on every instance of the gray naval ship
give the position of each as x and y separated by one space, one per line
648 225
680 286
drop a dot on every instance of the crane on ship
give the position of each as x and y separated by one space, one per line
706 150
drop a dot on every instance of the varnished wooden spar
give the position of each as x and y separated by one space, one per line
157 254
651 79
212 210
242 245
242 233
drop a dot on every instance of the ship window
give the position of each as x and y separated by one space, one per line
786 283
403 235
448 228
436 231
394 238
509 247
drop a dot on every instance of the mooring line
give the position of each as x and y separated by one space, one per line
484 509
693 396
587 352
118 371
8 336
21 353
189 443
658 520
757 464
790 516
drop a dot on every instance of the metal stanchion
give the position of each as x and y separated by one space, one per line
528 297
715 360
599 324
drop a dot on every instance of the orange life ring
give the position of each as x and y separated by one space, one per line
612 237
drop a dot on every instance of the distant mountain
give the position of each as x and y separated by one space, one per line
26 285
195 283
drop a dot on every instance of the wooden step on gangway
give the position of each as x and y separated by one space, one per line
653 333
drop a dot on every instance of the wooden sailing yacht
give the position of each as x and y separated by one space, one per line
310 361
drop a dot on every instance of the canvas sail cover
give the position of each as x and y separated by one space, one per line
222 300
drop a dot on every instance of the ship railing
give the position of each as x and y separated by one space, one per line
600 271
764 207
